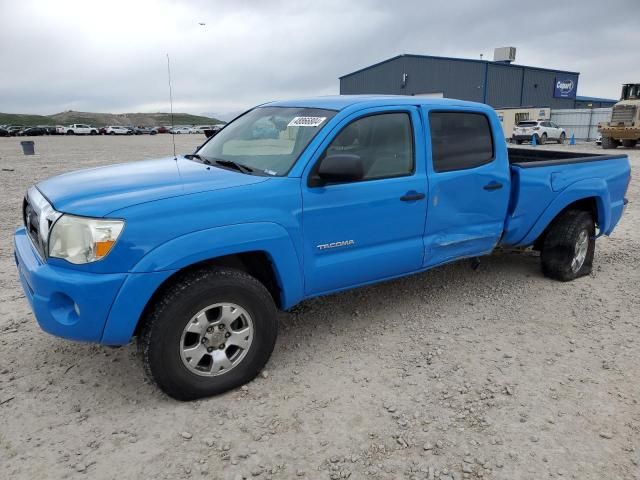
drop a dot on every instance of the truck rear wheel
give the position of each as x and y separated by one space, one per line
629 143
213 330
569 246
608 142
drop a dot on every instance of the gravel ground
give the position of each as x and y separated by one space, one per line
496 373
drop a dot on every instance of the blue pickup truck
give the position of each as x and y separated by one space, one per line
193 255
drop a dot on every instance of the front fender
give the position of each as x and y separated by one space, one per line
196 247
162 262
583 189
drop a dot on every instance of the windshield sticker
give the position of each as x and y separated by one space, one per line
306 121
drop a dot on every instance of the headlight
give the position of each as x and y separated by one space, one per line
83 240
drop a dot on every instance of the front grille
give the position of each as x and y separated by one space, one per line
32 224
623 114
38 216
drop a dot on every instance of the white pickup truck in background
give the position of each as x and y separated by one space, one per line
81 129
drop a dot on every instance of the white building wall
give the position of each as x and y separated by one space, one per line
581 122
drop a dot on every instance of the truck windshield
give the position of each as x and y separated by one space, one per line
266 139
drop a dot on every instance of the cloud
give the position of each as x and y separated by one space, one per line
97 56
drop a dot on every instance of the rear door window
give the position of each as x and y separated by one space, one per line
460 140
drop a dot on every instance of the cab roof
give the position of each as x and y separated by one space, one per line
340 102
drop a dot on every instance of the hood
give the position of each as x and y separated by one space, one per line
97 191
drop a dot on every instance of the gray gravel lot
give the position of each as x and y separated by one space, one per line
497 373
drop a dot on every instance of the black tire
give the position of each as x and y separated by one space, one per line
543 139
93 132
70 132
560 247
608 142
519 142
562 138
160 337
629 143
112 132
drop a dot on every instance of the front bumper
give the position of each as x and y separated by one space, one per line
522 137
620 133
91 307
67 303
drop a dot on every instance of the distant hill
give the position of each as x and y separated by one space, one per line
102 119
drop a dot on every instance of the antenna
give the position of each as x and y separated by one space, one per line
173 138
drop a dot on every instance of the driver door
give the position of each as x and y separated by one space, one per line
366 230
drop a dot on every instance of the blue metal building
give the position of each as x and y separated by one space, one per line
498 84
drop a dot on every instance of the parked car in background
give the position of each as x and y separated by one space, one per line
51 129
4 132
599 140
61 129
543 130
117 130
162 129
81 129
213 131
145 131
201 128
180 130
33 132
14 129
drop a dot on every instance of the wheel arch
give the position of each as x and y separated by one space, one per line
588 204
257 263
263 250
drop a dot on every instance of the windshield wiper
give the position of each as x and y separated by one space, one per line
238 166
192 156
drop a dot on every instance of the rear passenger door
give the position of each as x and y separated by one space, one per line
469 185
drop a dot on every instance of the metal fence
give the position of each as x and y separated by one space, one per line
581 122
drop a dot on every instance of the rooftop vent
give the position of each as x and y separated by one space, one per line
504 54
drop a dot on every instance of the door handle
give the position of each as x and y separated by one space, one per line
493 186
412 196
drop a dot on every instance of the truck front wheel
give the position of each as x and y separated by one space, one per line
569 246
608 142
212 330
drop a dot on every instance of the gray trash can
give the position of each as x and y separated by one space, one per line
28 147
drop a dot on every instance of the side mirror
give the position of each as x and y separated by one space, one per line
340 168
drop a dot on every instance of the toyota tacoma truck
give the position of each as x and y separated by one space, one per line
193 255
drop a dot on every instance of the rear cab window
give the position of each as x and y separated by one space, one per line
460 140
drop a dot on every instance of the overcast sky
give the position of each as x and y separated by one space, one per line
109 56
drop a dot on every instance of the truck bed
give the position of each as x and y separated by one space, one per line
531 158
543 182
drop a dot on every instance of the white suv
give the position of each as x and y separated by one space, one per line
81 129
543 130
117 130
200 128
